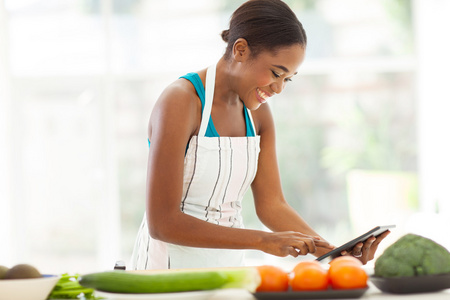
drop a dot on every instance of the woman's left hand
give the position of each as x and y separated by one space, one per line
365 251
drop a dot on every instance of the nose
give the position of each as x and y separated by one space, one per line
277 87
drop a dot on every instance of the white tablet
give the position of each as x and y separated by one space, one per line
349 245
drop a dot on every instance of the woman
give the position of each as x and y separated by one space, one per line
212 136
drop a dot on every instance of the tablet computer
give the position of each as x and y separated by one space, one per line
373 232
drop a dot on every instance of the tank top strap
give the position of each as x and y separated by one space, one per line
198 85
250 126
208 126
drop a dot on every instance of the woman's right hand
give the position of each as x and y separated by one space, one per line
292 243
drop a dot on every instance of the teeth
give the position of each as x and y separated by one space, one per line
262 94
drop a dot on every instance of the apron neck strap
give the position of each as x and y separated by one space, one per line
209 94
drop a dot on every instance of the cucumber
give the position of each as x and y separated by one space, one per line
159 282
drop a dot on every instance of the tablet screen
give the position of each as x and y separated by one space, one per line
373 232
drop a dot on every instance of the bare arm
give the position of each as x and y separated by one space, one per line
175 118
271 206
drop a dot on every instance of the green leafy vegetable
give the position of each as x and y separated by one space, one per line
68 287
413 255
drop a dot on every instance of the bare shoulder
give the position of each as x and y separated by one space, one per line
178 105
263 119
181 93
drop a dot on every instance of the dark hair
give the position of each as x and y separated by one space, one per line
265 25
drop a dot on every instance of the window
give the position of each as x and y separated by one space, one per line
78 79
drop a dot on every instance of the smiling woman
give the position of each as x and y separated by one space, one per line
194 192
266 74
79 78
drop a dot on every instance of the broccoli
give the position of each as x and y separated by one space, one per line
413 255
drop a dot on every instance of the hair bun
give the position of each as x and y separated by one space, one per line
225 35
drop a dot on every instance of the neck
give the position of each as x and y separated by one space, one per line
224 90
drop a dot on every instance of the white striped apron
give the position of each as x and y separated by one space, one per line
217 173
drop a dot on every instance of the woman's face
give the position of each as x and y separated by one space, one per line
268 74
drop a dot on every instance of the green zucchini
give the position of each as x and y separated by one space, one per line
158 282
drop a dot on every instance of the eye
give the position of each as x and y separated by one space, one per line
276 75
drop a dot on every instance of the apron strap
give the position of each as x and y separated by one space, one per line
209 94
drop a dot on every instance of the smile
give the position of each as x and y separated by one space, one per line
262 96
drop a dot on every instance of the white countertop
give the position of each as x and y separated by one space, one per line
372 293
238 294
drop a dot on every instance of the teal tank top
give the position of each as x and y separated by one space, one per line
211 130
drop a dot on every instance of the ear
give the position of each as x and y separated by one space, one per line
241 51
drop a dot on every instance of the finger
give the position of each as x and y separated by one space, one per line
311 244
299 248
307 245
358 247
369 241
357 250
368 244
294 252
384 234
366 252
373 248
323 244
301 251
381 237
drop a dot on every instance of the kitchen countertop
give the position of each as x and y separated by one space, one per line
373 293
237 294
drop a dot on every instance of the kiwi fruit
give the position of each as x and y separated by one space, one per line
3 271
22 271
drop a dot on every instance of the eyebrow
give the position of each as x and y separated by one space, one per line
286 70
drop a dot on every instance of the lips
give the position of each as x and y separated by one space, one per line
262 96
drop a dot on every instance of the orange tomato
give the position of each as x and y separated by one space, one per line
309 276
347 274
273 279
346 260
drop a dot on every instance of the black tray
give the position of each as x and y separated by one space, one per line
328 294
414 284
